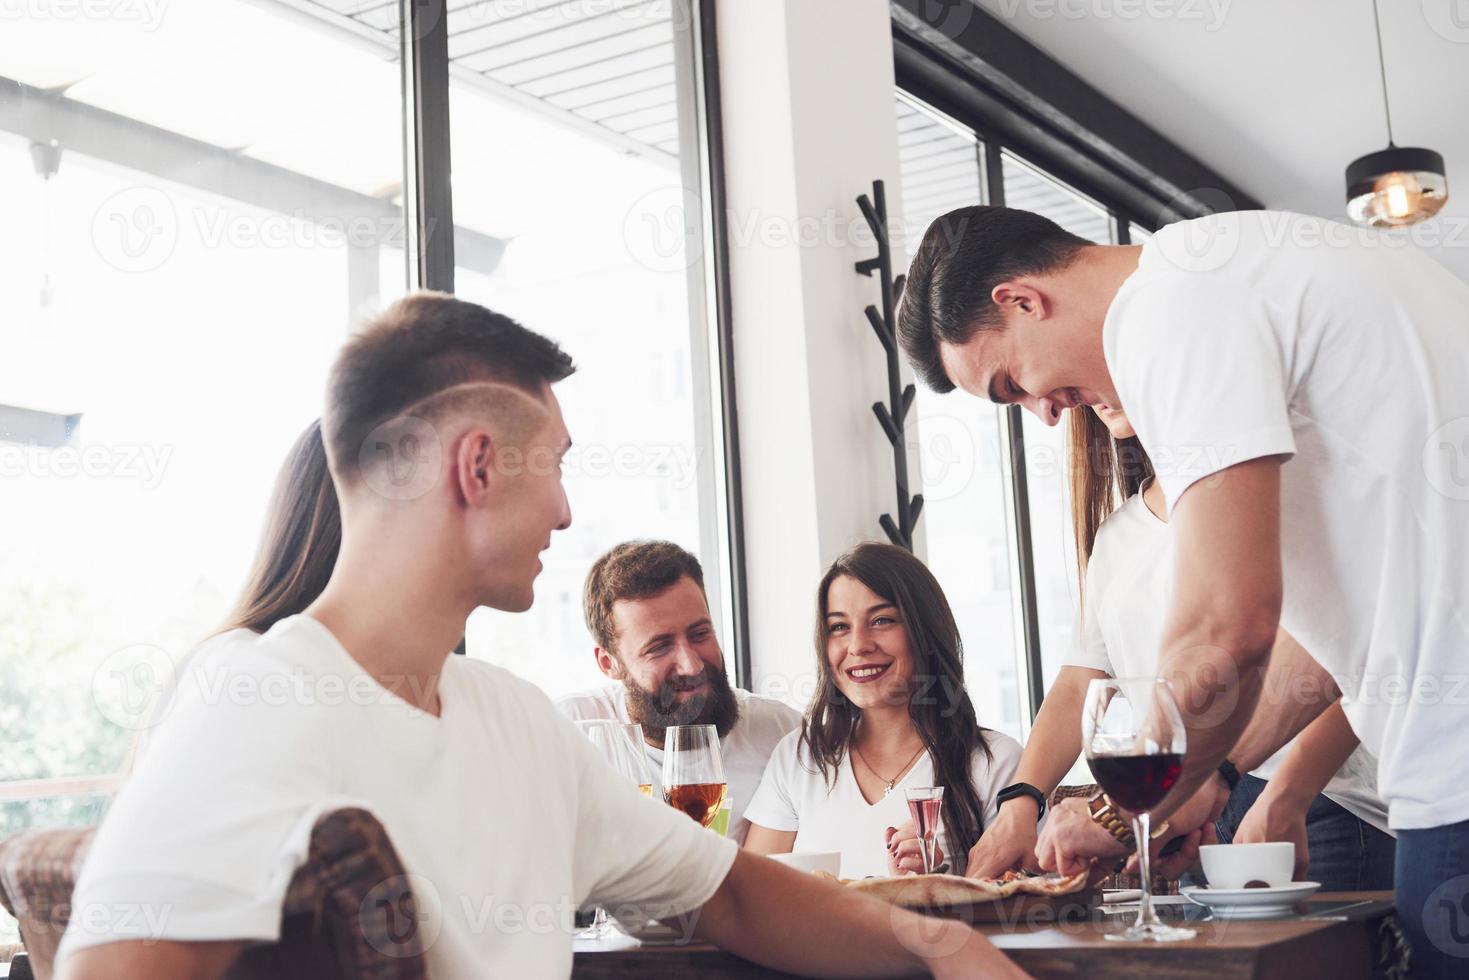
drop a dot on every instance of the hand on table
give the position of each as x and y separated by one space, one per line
1007 844
905 851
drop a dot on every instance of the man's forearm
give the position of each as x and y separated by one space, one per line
146 959
1318 754
1293 691
1225 610
786 920
1296 692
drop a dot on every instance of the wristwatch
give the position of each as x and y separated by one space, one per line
1105 815
1022 789
1230 773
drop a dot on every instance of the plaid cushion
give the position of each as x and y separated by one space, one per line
348 913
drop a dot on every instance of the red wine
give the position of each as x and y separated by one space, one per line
1137 782
925 814
699 800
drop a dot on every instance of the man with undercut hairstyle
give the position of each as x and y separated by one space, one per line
444 439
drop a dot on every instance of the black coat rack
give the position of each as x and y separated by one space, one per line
900 399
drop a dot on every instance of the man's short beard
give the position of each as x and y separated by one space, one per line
659 711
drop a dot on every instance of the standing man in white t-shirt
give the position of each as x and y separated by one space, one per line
445 442
648 615
1303 390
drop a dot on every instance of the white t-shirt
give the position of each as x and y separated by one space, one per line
1128 584
501 810
744 751
1263 333
836 817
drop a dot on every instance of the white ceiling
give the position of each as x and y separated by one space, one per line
1277 96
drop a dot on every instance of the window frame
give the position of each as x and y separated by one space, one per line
1017 100
428 200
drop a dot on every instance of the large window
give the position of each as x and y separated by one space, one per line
964 523
575 140
1000 542
198 206
1053 543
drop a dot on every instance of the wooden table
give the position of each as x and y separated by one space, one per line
1298 949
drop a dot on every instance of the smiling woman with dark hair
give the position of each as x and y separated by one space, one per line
891 712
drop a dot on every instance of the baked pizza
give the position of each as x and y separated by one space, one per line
942 890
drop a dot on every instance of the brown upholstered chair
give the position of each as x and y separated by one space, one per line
344 916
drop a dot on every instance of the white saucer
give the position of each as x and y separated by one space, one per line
1250 903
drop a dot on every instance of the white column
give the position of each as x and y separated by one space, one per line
809 123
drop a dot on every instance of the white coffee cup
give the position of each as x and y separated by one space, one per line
1230 866
828 861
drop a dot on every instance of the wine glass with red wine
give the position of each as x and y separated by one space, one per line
1135 741
924 804
693 773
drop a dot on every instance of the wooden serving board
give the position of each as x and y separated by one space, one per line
1022 910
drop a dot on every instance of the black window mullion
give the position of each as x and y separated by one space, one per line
708 46
1030 623
428 198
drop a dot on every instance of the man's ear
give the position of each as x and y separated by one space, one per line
608 663
1014 298
474 465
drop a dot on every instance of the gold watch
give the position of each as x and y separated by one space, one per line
1104 814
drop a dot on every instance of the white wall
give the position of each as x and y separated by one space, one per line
809 123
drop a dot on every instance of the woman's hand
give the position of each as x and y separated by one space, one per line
905 850
1008 843
1276 818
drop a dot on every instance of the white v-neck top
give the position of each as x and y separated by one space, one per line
836 817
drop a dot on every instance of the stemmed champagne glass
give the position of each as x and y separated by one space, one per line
693 773
1135 742
621 745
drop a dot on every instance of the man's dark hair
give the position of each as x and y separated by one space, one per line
422 345
963 256
632 570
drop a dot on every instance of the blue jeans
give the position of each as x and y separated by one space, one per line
1433 899
1346 854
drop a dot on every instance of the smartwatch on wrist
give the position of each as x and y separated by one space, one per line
1022 789
1230 773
